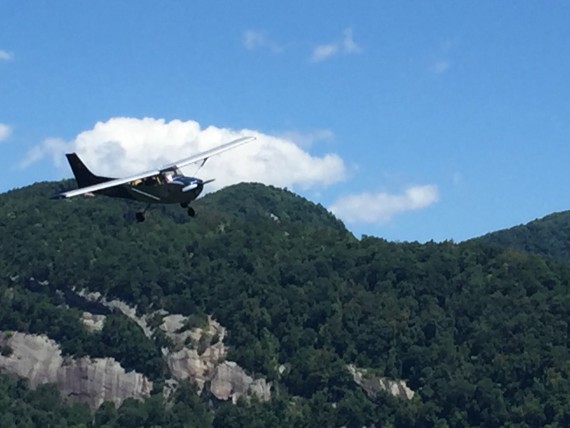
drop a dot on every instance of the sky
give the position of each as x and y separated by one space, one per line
410 121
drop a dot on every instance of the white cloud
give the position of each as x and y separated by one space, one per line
253 39
123 146
322 52
349 46
346 46
308 138
439 67
54 147
5 131
381 207
5 55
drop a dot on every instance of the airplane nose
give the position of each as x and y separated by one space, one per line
194 184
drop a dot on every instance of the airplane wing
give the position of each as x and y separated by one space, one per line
106 184
205 155
187 161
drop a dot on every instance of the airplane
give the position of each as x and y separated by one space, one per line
166 185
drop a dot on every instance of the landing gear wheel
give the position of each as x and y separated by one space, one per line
140 216
191 212
184 204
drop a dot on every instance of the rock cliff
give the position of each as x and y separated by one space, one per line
230 381
90 381
197 353
187 360
372 385
117 306
201 357
93 322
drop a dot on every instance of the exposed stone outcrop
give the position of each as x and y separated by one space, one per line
231 381
201 358
93 322
372 385
191 359
196 352
174 326
87 380
119 306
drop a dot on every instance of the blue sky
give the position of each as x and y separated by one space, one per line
410 120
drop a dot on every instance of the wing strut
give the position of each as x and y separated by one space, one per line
201 165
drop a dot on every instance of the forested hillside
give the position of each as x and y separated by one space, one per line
548 236
479 332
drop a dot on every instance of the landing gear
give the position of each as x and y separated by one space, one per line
191 211
140 214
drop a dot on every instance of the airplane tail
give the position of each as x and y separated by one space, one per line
83 176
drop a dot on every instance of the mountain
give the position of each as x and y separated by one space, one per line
272 293
250 201
548 236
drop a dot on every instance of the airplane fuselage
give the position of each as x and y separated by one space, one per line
155 190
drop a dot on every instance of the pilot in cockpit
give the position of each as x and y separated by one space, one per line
168 176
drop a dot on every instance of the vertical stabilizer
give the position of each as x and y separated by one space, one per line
83 176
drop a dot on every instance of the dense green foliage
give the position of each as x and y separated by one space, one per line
43 407
548 236
479 332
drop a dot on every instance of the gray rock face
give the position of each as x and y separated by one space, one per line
231 381
93 322
372 385
187 361
198 354
118 306
173 327
86 380
207 363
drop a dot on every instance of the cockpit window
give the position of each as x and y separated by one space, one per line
173 171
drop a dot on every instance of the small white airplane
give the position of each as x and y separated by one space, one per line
166 185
